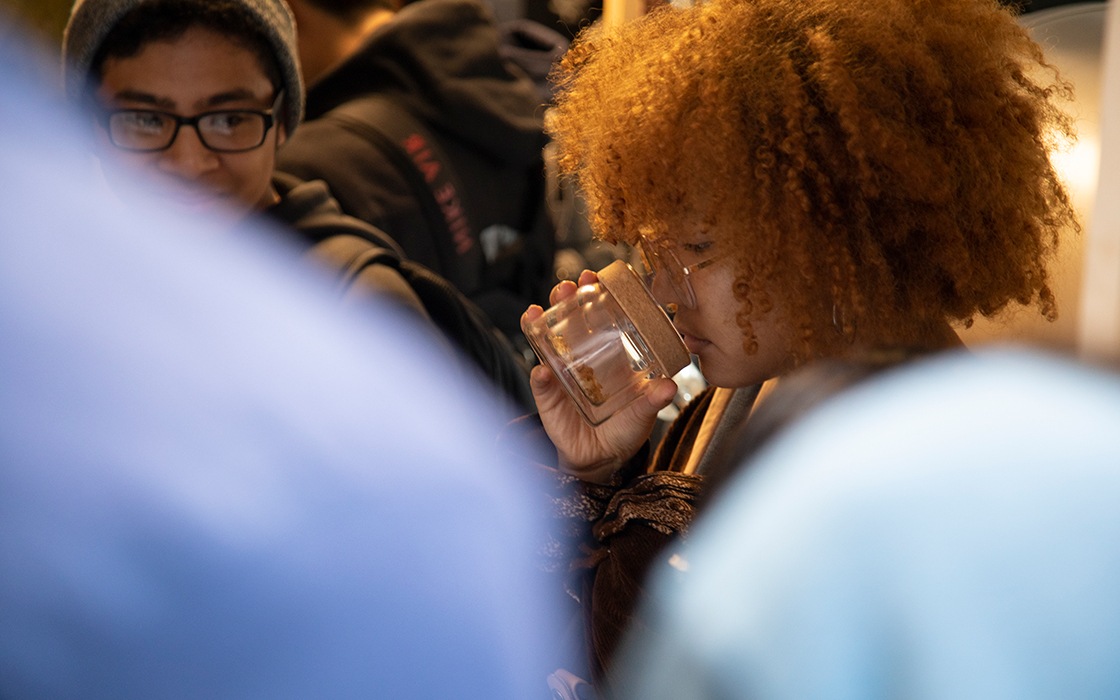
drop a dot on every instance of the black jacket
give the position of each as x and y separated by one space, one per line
440 60
365 262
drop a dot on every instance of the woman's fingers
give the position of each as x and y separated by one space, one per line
590 452
541 377
567 288
661 393
531 314
548 393
634 423
562 291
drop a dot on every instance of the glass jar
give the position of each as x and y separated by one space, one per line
607 343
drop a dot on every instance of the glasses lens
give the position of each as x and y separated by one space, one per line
660 258
232 131
141 131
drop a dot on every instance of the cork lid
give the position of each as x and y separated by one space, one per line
647 316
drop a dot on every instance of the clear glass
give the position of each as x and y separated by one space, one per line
599 356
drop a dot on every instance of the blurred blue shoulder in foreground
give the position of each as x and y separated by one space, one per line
215 484
945 532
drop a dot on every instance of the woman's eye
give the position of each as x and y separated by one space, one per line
697 248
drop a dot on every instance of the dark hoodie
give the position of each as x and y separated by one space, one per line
441 61
346 247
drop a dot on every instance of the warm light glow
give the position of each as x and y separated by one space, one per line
1078 166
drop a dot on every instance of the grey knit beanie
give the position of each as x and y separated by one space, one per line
92 20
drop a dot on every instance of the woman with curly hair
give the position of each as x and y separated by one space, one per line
809 178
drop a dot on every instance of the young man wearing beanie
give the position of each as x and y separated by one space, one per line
197 95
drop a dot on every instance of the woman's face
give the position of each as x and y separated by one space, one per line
710 331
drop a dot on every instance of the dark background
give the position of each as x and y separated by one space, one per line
1030 6
48 17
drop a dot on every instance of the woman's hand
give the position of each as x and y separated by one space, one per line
592 453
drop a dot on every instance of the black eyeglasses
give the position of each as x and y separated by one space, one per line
224 131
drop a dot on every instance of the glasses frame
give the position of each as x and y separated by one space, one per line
181 121
658 256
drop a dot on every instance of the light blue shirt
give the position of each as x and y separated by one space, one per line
950 531
214 483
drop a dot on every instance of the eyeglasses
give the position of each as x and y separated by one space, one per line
658 255
224 131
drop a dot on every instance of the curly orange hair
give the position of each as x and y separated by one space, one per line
873 164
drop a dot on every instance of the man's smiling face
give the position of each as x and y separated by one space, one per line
199 71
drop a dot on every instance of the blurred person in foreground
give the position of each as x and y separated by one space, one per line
806 179
203 493
908 540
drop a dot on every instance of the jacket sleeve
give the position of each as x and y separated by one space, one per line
571 506
603 538
344 249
